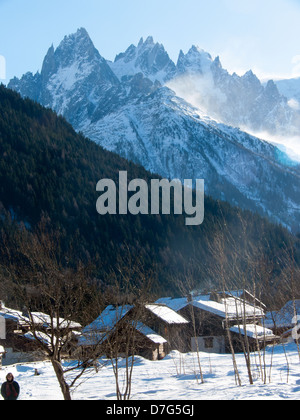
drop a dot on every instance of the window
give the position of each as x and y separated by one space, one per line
209 342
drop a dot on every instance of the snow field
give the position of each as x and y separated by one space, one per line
175 378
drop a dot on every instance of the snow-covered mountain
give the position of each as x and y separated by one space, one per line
148 58
241 101
127 107
170 137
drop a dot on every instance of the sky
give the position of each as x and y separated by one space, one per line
262 35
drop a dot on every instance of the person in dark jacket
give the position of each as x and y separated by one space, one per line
10 389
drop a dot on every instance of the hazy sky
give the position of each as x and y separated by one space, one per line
263 35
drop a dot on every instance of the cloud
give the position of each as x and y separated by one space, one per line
289 145
294 104
200 91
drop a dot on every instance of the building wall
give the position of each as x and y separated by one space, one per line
12 357
208 344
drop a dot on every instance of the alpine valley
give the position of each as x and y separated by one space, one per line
185 120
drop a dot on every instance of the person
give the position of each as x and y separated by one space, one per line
10 389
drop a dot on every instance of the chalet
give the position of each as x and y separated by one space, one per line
157 330
166 322
93 338
17 347
211 316
283 320
150 344
17 337
258 336
143 341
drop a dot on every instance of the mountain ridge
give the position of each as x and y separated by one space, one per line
146 122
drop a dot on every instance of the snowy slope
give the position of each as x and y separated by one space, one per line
169 137
175 378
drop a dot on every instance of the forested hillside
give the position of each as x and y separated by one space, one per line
49 171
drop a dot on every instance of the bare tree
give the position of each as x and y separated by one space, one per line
186 286
51 294
219 253
130 291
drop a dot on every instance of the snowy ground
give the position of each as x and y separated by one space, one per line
175 378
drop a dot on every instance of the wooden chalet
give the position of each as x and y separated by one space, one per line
211 316
282 321
155 330
18 339
135 338
258 336
18 348
149 344
164 321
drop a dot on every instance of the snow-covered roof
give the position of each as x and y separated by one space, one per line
283 318
91 339
108 318
231 307
46 321
244 294
42 337
236 307
253 331
39 319
11 314
173 303
149 333
166 314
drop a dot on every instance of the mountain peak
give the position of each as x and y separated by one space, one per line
271 89
49 64
195 61
82 32
76 49
217 62
76 40
147 57
149 41
80 35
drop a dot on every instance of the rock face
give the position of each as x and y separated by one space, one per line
148 58
129 107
